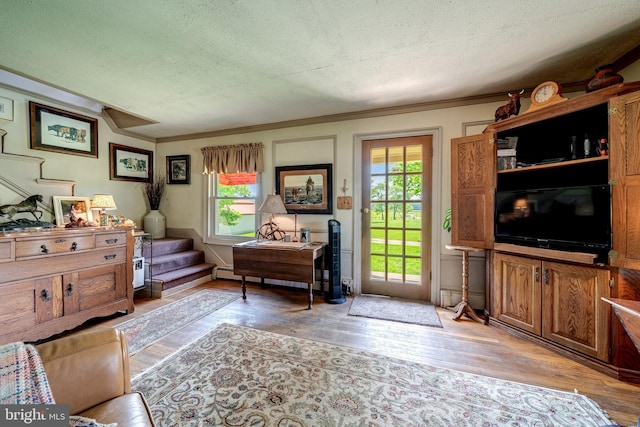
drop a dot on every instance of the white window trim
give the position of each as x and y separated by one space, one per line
209 213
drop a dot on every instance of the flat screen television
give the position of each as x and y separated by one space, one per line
576 219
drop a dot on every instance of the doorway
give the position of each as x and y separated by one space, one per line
396 216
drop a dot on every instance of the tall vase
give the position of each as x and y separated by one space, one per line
154 223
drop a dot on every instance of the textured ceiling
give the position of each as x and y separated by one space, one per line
194 66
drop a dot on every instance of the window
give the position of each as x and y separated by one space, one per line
231 207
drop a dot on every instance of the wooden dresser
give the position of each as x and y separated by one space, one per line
54 280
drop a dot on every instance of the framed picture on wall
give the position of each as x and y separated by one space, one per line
60 131
6 108
130 163
306 189
179 169
68 208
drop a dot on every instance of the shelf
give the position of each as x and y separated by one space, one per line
550 254
556 165
628 312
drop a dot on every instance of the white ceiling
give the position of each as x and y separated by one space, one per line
196 66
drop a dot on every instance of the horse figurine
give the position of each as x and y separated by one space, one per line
30 204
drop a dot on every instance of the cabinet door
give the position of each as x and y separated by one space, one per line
574 313
624 173
94 287
473 171
516 296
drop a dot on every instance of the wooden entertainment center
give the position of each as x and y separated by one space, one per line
53 280
545 293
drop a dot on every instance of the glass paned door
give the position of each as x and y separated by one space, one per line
396 211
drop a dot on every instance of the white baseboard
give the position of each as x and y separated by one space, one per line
449 298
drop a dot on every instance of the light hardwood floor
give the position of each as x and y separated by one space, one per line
462 345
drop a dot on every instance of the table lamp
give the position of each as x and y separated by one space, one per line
103 202
273 204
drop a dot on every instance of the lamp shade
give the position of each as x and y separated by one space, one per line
273 204
103 201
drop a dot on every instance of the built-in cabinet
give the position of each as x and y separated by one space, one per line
56 280
548 293
560 302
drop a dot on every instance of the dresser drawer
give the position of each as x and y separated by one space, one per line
6 253
111 239
102 256
54 245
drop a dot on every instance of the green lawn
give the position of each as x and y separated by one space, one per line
394 235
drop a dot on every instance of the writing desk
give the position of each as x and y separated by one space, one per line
293 261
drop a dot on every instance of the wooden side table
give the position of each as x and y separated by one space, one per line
291 261
464 307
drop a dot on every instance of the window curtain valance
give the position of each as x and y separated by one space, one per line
238 158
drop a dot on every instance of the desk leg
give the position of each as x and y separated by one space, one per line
310 298
244 288
463 306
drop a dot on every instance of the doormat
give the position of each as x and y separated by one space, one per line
395 309
143 331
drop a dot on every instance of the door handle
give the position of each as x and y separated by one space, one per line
365 210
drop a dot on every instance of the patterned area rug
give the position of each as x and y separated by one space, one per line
396 309
143 331
239 376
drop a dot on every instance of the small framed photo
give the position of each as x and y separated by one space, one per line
306 189
179 169
60 131
71 208
130 164
6 108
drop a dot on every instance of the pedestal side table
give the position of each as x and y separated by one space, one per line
464 307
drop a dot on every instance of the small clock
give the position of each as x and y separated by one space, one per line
544 94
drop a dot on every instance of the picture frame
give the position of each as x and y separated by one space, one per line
306 189
130 163
66 207
61 131
179 169
6 108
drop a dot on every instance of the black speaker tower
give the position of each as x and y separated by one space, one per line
332 258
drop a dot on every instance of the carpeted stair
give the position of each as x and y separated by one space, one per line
175 262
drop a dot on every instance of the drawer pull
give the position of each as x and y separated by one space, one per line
74 247
61 240
111 241
44 250
44 295
112 256
69 291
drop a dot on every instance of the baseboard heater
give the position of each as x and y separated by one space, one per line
214 272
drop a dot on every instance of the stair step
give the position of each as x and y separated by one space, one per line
176 261
166 245
184 275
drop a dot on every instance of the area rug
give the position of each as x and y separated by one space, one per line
143 331
396 309
240 376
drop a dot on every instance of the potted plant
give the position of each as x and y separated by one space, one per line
154 191
446 224
154 221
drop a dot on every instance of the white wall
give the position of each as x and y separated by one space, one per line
181 207
183 204
90 175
